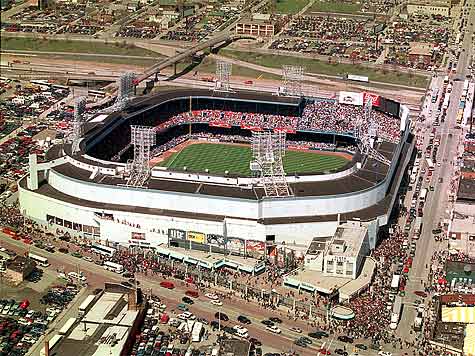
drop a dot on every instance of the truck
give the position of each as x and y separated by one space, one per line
419 318
396 313
417 228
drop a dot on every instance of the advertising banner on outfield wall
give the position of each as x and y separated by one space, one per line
176 234
137 235
235 244
255 247
350 98
216 240
376 99
197 237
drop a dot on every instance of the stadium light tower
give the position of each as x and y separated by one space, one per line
366 131
223 73
125 85
268 149
142 137
292 77
79 110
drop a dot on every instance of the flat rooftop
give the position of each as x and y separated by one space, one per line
351 237
466 189
94 340
313 280
111 308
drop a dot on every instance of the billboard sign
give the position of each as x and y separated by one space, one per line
358 78
255 246
350 98
176 234
138 236
197 237
235 244
375 99
216 240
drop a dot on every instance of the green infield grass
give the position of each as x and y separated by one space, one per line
219 158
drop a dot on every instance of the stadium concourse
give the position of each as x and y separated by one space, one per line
86 193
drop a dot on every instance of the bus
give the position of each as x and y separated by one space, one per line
103 250
423 195
396 313
86 304
67 326
395 283
430 164
114 267
417 228
197 332
58 86
97 93
43 262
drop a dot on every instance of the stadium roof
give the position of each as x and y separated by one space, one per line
365 214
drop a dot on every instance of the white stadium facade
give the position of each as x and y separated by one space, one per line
86 193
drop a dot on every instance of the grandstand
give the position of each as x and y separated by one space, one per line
89 188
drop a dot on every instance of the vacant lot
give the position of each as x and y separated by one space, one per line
44 45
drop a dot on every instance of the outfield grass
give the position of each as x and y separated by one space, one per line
320 67
45 45
289 6
335 6
218 158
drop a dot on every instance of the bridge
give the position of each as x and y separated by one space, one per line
156 68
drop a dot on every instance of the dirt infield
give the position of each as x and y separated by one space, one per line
165 155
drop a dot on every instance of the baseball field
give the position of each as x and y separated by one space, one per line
218 158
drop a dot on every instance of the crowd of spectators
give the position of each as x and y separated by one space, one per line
319 116
333 117
371 315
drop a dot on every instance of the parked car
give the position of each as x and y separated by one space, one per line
221 316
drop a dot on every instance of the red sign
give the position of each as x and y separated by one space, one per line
283 129
138 236
296 147
255 246
376 99
220 124
250 127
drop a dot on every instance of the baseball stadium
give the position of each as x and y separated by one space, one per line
201 189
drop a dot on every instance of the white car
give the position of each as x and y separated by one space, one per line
296 329
211 296
274 329
384 353
188 315
241 331
88 259
216 302
182 316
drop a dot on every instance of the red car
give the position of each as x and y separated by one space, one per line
420 293
167 284
248 82
324 352
28 241
191 293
